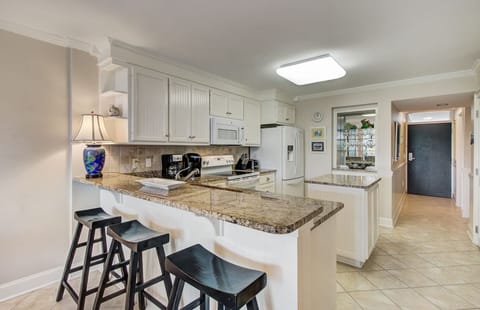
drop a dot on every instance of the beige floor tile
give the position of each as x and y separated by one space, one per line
408 299
354 281
412 277
443 298
468 292
383 279
373 300
452 258
370 266
388 262
340 288
341 267
345 302
413 261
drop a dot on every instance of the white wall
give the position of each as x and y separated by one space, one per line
34 143
318 164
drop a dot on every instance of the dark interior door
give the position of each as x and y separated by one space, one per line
430 159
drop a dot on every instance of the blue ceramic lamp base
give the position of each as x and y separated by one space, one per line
94 159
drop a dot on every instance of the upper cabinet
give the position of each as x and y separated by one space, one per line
188 112
148 105
276 112
252 113
225 104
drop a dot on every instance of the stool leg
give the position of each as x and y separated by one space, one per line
176 294
104 240
68 263
86 270
141 295
132 277
104 278
252 304
123 268
205 302
168 279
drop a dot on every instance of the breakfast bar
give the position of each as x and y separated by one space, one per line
357 225
292 239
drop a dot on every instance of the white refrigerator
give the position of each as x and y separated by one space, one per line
283 149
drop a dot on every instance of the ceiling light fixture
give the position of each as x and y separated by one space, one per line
369 114
427 118
312 70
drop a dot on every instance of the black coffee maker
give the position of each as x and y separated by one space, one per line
191 161
171 165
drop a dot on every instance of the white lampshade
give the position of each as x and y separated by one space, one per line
92 130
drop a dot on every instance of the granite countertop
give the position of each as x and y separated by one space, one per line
272 213
355 181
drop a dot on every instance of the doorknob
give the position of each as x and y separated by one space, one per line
410 156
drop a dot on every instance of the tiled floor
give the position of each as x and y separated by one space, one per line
426 262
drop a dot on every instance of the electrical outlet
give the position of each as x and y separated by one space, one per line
148 162
135 163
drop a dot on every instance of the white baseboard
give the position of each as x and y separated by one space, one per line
385 222
29 283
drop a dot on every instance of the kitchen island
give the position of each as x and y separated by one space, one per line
357 224
292 239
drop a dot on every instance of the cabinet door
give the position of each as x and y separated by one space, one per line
252 122
200 117
148 119
218 103
180 109
289 114
235 107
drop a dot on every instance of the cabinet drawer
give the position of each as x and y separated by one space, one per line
268 187
267 178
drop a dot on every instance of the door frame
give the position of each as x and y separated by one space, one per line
475 171
452 168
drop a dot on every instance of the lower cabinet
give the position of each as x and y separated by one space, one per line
266 183
357 223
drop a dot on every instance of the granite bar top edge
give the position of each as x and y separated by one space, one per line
320 208
345 180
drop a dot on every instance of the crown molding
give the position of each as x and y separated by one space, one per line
378 86
114 43
48 37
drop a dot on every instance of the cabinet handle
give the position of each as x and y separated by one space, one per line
192 137
228 113
268 179
166 135
287 119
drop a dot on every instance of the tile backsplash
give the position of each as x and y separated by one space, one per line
119 157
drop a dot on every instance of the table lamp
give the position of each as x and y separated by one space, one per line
93 133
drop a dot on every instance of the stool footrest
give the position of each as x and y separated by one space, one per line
113 295
141 287
120 265
195 303
82 244
154 301
96 260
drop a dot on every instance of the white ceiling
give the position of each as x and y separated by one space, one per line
444 102
374 40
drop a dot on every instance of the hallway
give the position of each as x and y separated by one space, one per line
426 262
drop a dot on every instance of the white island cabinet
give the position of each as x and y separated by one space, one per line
357 224
291 239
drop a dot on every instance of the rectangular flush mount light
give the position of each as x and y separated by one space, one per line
313 70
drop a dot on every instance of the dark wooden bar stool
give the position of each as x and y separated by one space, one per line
230 285
93 219
138 239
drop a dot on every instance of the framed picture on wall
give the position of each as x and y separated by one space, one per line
318 133
318 146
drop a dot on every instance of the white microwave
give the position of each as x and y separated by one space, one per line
224 131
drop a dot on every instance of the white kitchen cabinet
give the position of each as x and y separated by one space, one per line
252 113
148 106
188 112
357 223
225 104
276 112
266 183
